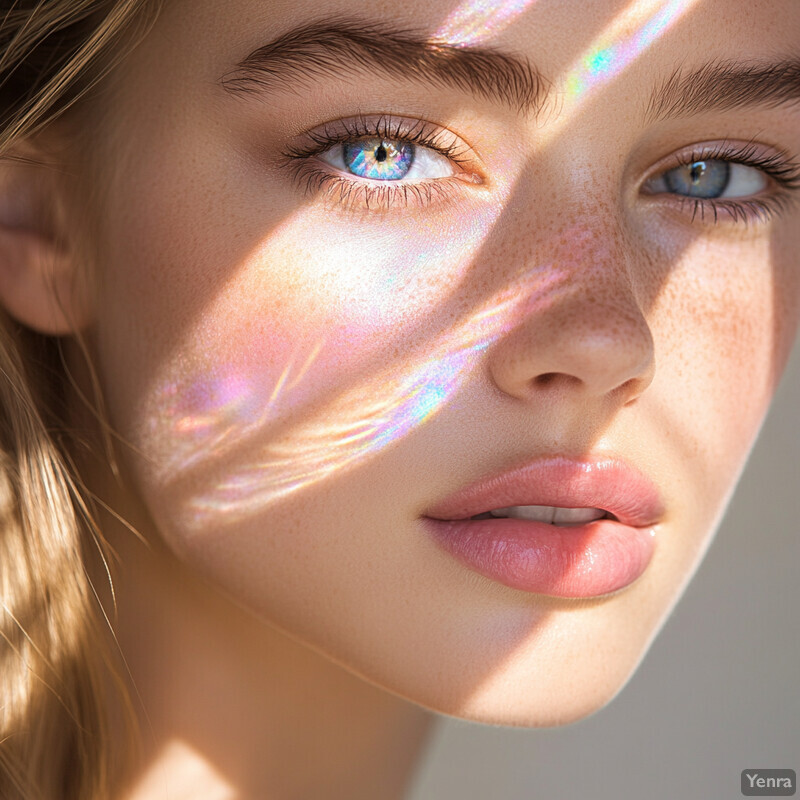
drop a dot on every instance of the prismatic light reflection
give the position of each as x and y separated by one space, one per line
639 25
352 427
473 22
628 36
215 414
613 50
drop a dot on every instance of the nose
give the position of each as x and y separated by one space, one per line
589 337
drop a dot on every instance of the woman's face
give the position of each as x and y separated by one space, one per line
355 275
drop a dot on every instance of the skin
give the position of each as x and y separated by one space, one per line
295 644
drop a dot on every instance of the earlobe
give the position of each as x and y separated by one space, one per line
39 284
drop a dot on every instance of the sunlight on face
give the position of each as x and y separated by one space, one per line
617 45
350 430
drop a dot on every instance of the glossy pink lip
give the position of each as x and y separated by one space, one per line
586 560
608 484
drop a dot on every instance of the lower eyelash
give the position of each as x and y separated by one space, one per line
755 209
354 193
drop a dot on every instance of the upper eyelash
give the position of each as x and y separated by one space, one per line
415 131
780 168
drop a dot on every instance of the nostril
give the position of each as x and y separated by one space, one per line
547 378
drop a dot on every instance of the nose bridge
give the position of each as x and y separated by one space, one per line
598 290
593 336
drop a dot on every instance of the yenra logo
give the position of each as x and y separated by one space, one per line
768 782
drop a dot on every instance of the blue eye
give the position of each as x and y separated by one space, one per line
710 179
699 179
379 159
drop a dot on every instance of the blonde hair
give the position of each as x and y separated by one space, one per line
54 658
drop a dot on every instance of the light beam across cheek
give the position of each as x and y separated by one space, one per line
216 414
367 418
205 412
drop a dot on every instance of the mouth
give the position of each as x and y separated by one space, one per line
555 526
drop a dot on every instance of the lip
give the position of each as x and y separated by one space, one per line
586 560
609 484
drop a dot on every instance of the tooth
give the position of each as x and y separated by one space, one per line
537 513
574 515
552 514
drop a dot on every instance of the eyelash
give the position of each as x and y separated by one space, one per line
784 172
352 192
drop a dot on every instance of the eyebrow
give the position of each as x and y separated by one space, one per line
331 46
724 85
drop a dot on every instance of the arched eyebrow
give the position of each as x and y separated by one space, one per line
334 46
725 85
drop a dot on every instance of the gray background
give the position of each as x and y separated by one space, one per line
716 693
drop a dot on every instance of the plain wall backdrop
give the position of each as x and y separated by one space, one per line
718 691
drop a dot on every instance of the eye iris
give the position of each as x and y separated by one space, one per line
380 159
699 179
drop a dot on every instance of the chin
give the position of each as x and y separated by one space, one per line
517 711
557 697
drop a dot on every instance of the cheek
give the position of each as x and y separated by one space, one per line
259 372
726 318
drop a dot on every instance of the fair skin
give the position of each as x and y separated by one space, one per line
293 641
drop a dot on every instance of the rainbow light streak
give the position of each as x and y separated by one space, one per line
476 21
198 419
369 417
216 415
615 49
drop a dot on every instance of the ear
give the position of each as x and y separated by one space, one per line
39 271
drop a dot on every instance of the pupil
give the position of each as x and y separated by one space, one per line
380 153
697 170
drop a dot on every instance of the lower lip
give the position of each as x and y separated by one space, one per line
587 560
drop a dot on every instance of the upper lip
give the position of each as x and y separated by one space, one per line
606 483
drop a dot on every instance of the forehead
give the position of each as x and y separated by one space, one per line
552 33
